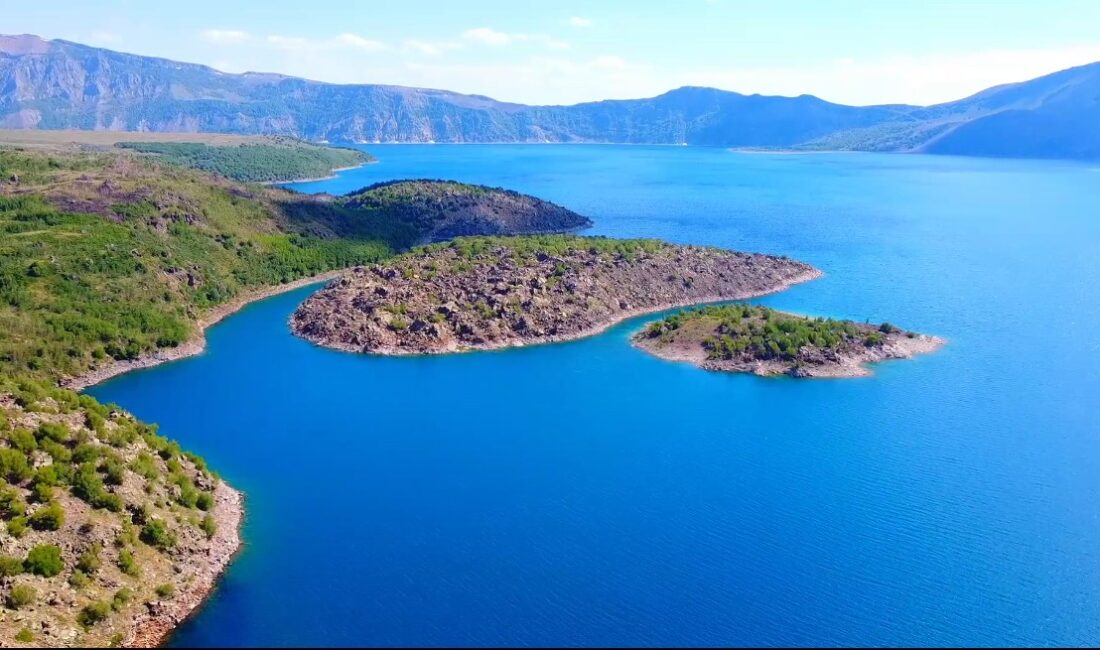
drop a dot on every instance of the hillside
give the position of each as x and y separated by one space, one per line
245 158
64 85
108 257
495 292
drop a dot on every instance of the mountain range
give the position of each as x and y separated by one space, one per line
56 84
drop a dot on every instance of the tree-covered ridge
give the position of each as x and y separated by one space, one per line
282 160
101 517
111 257
743 337
422 211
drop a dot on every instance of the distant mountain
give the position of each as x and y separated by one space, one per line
59 84
1055 116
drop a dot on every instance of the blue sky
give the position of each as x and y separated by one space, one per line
851 51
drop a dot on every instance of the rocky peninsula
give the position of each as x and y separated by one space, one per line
113 535
763 341
497 292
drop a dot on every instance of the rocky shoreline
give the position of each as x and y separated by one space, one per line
153 629
492 293
197 344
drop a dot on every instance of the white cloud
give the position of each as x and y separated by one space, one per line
358 42
343 41
490 36
429 48
287 42
224 36
578 21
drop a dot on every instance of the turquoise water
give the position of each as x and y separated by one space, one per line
586 493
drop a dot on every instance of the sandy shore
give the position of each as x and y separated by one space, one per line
153 629
592 331
196 345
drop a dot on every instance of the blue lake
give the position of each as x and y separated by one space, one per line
589 494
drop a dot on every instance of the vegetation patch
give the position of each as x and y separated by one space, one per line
281 159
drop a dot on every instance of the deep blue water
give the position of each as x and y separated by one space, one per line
588 494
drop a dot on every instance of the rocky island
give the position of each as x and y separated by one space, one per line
763 341
496 292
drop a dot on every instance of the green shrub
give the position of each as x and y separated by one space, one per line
25 635
166 591
52 431
89 561
93 613
44 560
10 566
89 487
23 440
205 501
17 527
209 526
42 493
11 503
58 452
121 598
127 564
114 472
145 465
20 596
78 579
14 466
49 517
156 534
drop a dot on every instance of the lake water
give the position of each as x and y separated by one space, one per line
589 494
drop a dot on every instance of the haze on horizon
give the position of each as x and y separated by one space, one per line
846 51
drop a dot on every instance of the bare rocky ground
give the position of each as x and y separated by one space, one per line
486 293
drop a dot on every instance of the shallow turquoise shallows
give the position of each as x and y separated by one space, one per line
588 494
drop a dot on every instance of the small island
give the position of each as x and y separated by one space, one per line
766 342
496 292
